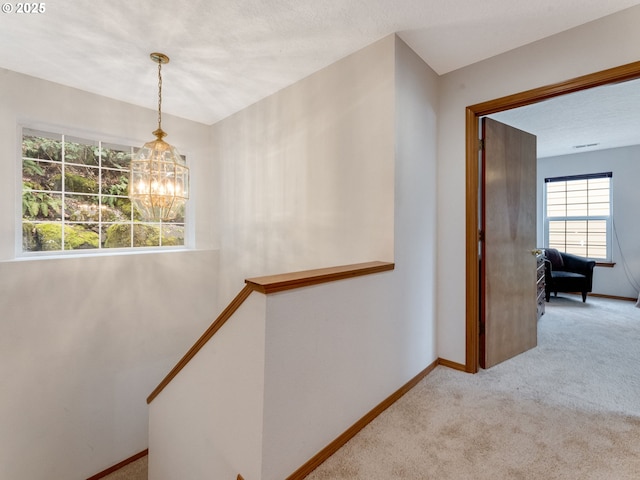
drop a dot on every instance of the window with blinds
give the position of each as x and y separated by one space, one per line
578 215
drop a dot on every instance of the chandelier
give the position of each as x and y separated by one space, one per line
159 179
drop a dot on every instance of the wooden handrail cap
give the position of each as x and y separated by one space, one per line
287 281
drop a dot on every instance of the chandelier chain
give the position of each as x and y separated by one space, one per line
159 95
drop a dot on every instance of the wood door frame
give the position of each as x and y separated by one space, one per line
626 72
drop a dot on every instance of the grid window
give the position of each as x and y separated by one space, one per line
578 215
75 198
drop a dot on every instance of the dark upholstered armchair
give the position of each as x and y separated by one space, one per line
565 272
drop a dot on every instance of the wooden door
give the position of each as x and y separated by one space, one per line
508 323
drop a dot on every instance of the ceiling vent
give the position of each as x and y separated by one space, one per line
586 145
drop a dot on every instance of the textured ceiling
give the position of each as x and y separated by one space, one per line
228 54
594 119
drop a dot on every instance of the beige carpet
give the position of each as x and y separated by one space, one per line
134 471
568 409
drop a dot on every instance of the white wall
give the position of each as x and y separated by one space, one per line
84 340
605 43
306 175
333 352
625 165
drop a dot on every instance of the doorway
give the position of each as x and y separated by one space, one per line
473 114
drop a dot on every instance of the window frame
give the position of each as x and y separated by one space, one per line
102 140
569 218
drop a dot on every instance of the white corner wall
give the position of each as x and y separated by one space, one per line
207 423
285 376
84 340
596 46
624 163
415 200
347 363
339 168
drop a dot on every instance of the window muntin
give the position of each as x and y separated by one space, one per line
75 198
578 215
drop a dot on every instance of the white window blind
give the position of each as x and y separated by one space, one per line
578 214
